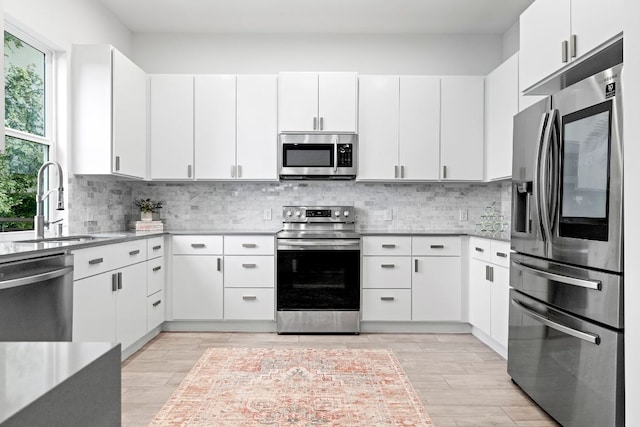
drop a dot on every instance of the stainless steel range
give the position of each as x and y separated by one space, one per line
318 271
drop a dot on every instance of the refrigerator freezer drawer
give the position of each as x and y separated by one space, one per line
570 367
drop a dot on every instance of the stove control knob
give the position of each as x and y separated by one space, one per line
347 213
298 214
337 213
289 213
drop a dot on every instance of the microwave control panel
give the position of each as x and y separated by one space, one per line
345 155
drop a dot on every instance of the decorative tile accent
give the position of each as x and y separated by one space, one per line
104 204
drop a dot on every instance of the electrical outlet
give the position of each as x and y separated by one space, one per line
267 214
464 215
388 215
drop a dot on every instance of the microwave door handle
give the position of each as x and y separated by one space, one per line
537 175
335 154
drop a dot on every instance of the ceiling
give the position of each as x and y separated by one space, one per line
318 16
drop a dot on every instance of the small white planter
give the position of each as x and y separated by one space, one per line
146 216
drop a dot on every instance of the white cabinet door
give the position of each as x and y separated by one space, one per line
245 271
378 127
386 304
386 272
131 304
171 116
593 22
543 28
129 115
257 134
94 309
337 101
500 305
462 128
419 127
214 126
436 289
479 296
155 310
297 101
249 303
501 92
197 287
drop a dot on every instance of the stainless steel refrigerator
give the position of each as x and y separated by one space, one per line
566 331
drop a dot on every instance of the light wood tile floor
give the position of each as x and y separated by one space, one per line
461 381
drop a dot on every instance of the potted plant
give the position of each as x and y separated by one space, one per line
147 208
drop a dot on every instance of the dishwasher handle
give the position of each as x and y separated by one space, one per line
29 280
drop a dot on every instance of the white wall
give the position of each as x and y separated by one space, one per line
365 54
511 41
631 79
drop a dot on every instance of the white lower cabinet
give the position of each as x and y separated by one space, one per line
489 288
131 317
418 278
155 283
197 287
249 303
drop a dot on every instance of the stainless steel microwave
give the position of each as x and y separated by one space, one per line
317 156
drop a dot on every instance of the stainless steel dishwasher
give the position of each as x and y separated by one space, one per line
36 299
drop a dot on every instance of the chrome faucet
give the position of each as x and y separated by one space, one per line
38 221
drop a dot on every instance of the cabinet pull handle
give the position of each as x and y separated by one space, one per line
321 123
239 169
395 171
218 264
155 248
565 53
233 171
136 252
388 246
249 245
198 245
444 171
501 254
249 265
479 249
387 298
119 280
401 171
486 272
189 171
158 268
157 303
315 123
436 246
249 297
387 265
415 265
572 46
96 261
114 282
117 163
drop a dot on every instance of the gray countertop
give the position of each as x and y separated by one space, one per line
32 370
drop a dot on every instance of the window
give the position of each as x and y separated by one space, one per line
27 77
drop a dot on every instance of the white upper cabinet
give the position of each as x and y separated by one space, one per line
419 135
310 102
257 130
555 32
462 128
378 130
171 111
501 90
109 113
215 126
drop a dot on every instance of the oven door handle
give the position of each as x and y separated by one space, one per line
585 336
29 280
314 244
589 284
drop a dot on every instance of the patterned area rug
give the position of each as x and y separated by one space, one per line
294 387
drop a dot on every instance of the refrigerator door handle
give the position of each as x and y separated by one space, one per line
537 175
554 172
585 336
546 171
589 284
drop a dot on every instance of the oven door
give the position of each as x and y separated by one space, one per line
318 274
587 223
571 367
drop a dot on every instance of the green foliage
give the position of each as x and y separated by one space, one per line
147 205
24 105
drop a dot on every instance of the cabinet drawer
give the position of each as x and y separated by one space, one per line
155 247
386 245
249 245
386 304
197 245
249 271
98 259
436 246
249 304
129 253
155 275
500 253
480 249
386 272
155 310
